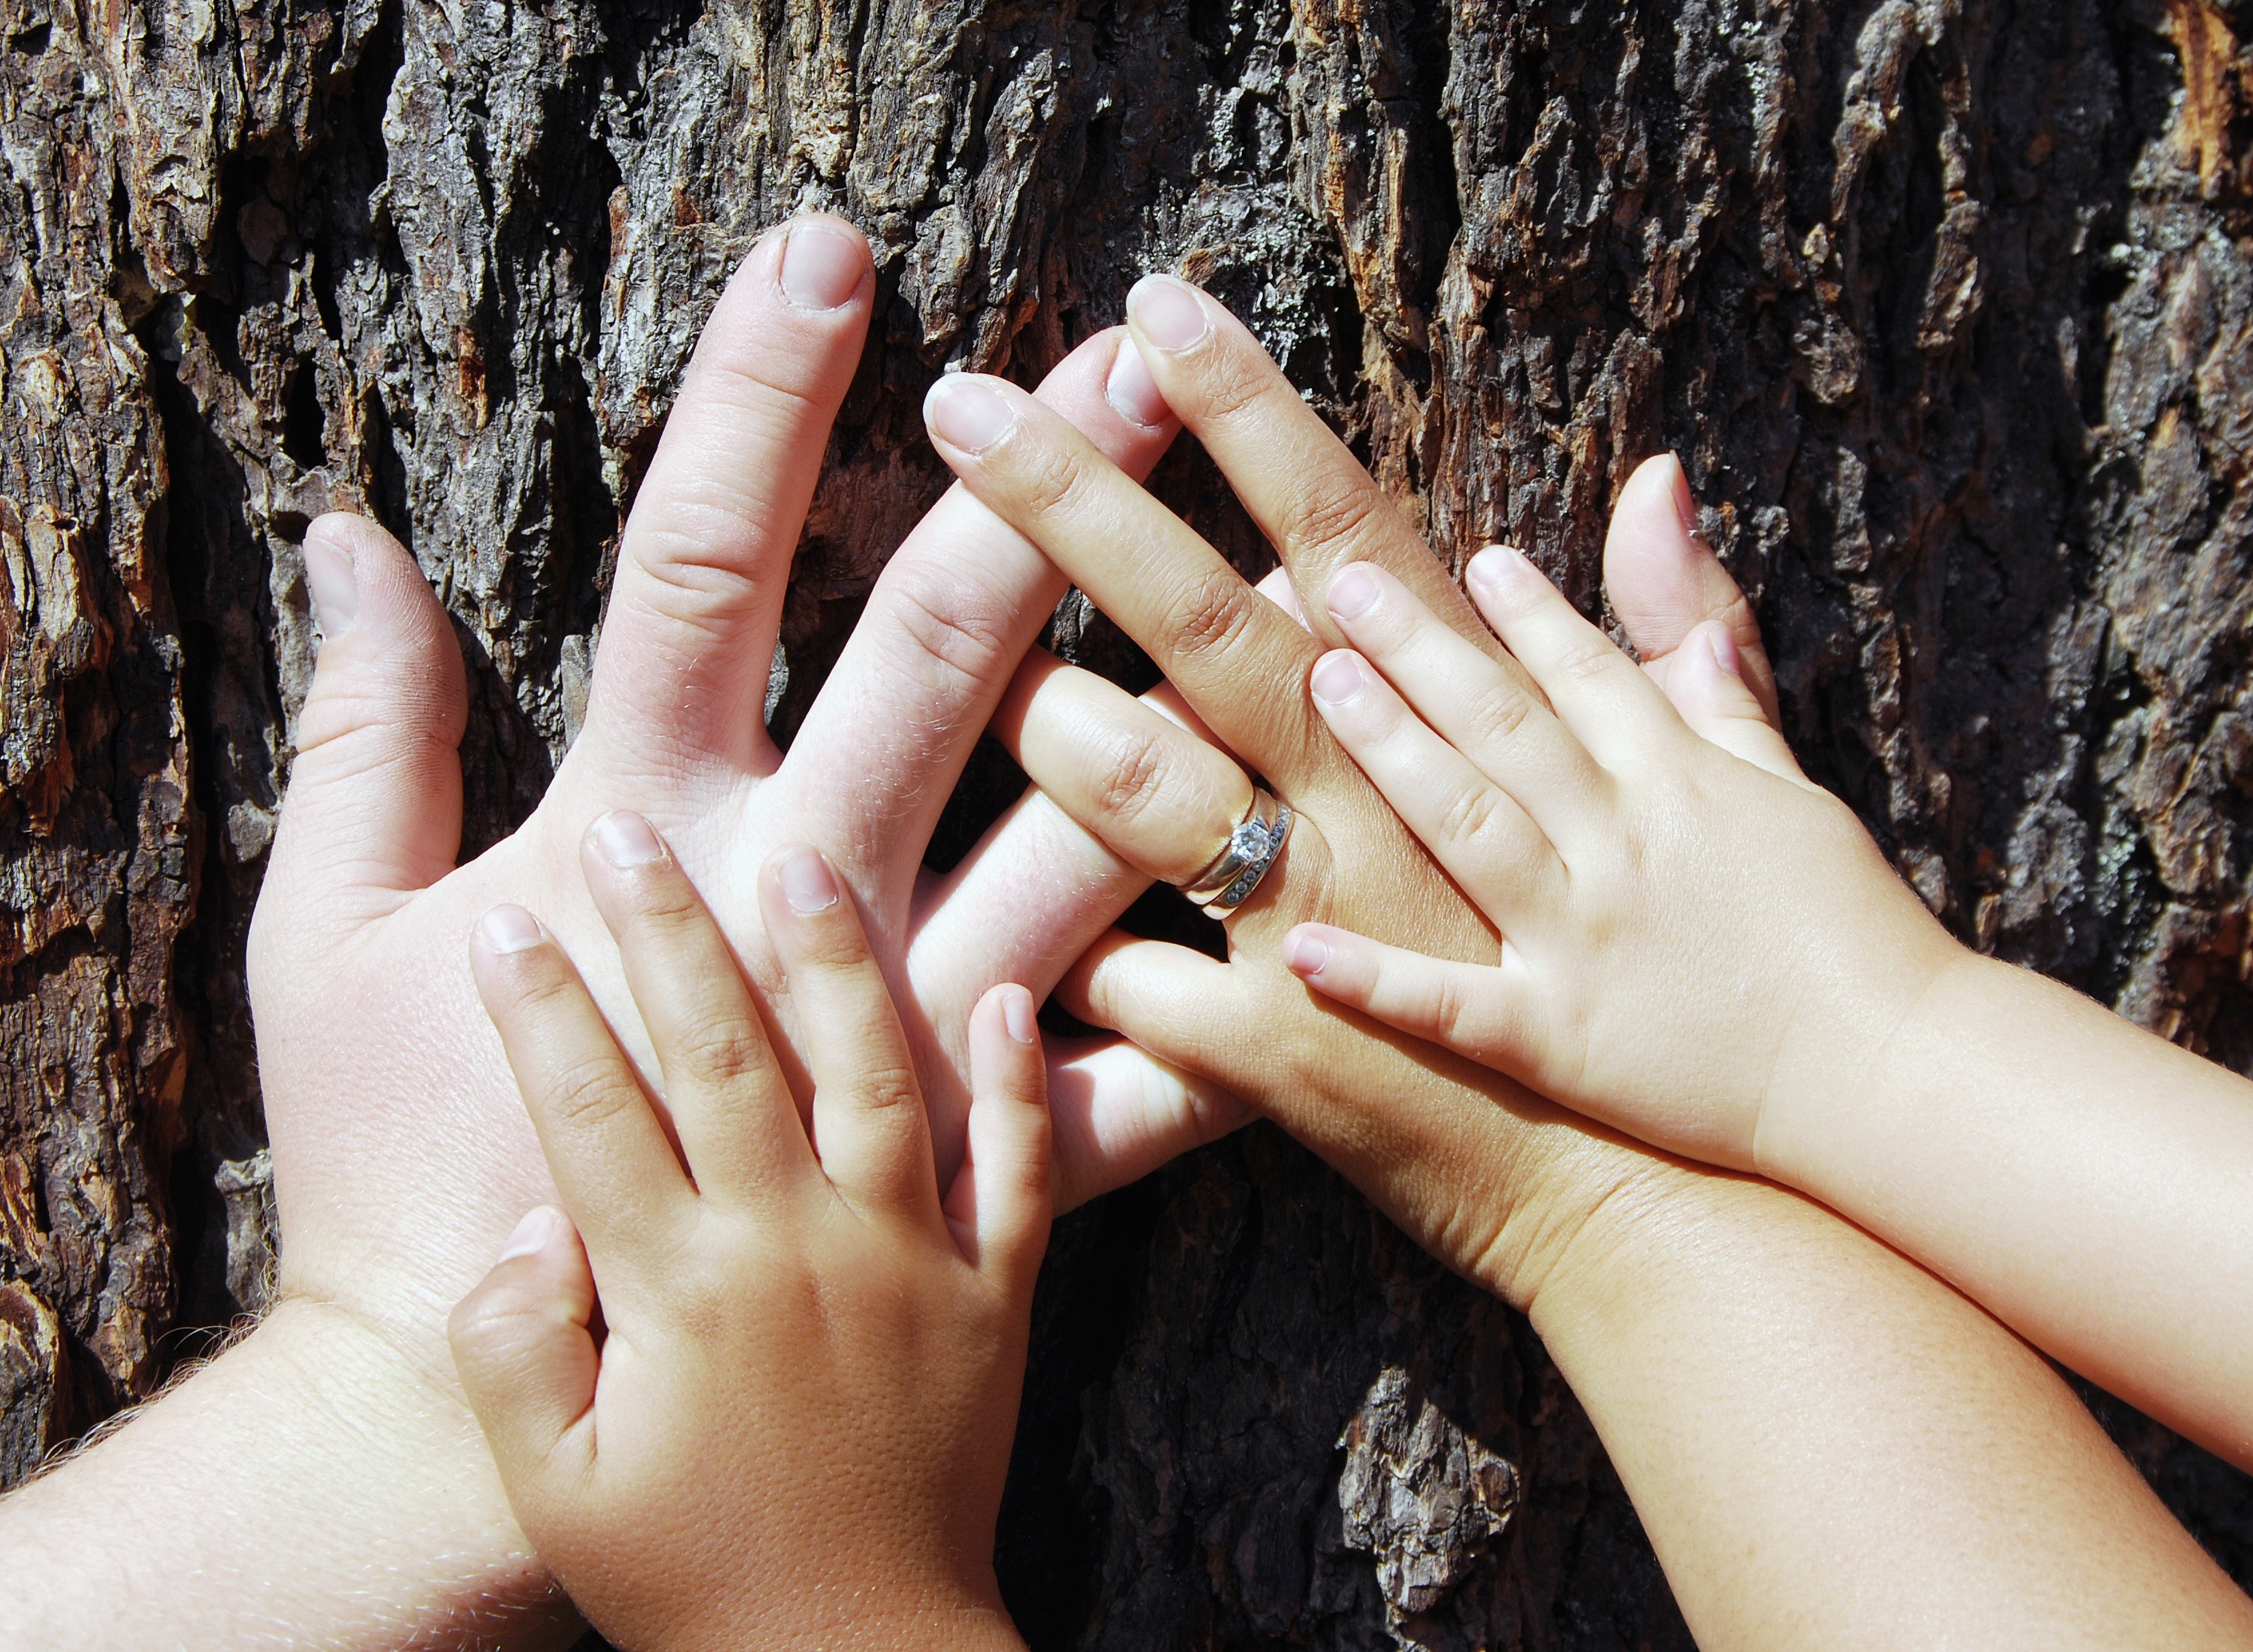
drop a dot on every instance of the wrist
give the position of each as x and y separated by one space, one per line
422 1483
311 1486
1839 1076
876 1619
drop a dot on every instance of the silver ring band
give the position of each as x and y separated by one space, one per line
1251 849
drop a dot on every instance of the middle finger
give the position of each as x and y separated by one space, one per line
1238 659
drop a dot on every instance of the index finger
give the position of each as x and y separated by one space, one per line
1237 657
1302 486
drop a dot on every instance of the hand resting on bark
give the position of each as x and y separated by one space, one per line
791 1427
1704 948
1826 1444
362 1509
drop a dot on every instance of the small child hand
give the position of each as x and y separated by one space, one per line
1696 935
757 1388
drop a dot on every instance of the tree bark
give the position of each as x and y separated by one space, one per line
1945 303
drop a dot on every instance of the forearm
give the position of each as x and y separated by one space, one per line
307 1487
2085 1180
1829 1447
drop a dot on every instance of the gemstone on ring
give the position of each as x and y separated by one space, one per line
1253 846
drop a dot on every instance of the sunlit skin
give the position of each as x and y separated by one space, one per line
1707 950
793 1429
1905 1472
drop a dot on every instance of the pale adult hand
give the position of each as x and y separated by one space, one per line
402 1151
363 1506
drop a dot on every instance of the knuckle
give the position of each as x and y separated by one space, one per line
1235 379
887 1087
1497 711
718 1056
587 1093
1131 776
1450 1010
1048 477
950 627
1587 657
1331 513
662 897
1467 815
1206 620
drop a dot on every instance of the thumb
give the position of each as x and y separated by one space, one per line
999 1207
526 1359
374 805
1665 581
1706 683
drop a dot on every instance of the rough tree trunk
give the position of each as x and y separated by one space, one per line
1948 303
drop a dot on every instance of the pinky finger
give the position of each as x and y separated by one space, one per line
1000 1205
1477 1010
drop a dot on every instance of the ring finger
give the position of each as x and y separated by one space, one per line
1159 797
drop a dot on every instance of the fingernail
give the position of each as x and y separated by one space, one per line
626 840
1496 567
334 588
968 413
1723 648
821 265
1018 1015
1354 592
530 1237
510 929
1338 678
1305 954
806 882
1131 391
1167 312
1685 502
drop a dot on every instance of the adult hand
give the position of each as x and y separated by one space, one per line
1406 1122
402 1151
369 1513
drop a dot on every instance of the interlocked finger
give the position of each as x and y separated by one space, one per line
869 1122
730 1101
617 1172
1163 799
1238 660
1611 706
1314 501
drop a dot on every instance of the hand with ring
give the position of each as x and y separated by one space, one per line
1696 1313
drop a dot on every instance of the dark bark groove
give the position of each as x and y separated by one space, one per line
1948 305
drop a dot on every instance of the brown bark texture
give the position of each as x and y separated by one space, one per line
1947 304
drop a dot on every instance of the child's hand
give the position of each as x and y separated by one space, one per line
1697 939
770 1401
